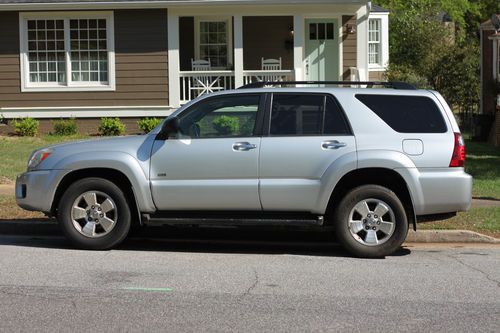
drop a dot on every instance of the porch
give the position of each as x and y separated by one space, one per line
214 51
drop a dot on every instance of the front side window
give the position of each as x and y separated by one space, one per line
227 116
213 42
306 115
74 51
374 42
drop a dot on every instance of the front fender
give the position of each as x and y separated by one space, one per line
119 161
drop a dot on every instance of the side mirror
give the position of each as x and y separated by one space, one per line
170 127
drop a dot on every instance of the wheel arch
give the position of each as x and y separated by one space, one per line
385 177
115 176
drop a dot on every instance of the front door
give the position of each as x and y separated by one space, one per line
213 162
321 50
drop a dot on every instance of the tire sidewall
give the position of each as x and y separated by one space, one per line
341 221
123 223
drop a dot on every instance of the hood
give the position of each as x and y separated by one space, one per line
138 146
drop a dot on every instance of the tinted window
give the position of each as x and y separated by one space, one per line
227 116
406 114
306 115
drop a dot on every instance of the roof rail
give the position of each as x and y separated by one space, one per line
368 84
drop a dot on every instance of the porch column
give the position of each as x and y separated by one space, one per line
238 51
298 46
362 42
174 93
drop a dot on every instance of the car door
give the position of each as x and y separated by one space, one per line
212 164
307 133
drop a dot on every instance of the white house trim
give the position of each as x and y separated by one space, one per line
362 42
87 112
238 50
384 41
298 47
174 94
27 86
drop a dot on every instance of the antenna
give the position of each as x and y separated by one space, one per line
495 20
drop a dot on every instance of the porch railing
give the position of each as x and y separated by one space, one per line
261 76
197 83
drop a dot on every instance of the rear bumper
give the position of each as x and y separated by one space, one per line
35 190
444 191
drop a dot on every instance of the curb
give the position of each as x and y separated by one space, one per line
449 236
50 228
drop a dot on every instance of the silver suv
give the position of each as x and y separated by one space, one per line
366 163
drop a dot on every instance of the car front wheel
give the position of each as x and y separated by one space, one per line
94 214
371 221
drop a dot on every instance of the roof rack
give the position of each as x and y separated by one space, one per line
368 84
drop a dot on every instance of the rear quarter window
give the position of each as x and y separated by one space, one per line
406 114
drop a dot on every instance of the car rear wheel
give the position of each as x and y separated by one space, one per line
94 214
370 221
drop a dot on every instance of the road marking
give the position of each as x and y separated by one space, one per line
165 290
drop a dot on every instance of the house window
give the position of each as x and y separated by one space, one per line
374 42
214 42
67 51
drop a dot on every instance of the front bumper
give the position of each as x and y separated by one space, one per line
35 190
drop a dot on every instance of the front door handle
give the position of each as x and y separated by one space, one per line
243 146
333 144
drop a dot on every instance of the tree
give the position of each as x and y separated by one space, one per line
427 52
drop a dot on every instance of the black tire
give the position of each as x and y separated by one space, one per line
356 243
121 225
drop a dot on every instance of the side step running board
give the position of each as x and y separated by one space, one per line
230 221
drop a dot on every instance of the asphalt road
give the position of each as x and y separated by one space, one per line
207 284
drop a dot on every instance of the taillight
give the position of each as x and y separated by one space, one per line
458 157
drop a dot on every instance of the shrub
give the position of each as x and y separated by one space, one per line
148 124
226 125
111 126
26 126
65 127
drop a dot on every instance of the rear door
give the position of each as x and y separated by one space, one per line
306 134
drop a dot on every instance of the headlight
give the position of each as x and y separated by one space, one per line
37 157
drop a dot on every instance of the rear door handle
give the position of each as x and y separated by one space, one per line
243 146
333 144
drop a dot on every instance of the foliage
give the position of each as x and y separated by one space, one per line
427 51
148 124
65 127
226 125
111 126
456 76
26 126
405 74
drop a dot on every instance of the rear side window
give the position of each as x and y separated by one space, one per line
301 114
406 114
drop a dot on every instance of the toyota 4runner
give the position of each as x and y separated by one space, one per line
367 163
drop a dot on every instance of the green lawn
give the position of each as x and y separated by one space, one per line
485 220
483 163
16 150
